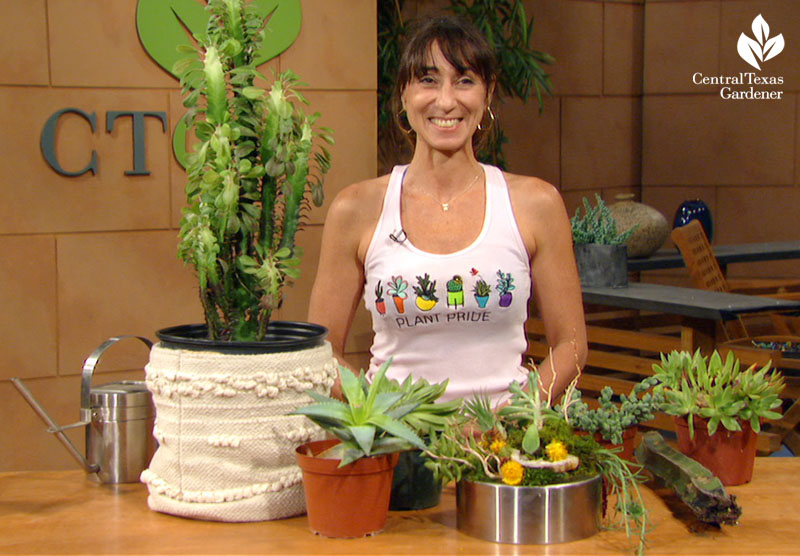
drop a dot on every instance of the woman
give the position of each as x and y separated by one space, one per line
433 232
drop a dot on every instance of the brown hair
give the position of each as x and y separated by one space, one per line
462 45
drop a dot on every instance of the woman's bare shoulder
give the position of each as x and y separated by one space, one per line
361 200
533 194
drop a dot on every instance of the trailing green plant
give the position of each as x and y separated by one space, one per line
610 418
508 31
529 442
378 417
721 392
250 177
598 225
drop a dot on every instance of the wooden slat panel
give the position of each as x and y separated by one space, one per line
621 362
642 366
632 339
616 337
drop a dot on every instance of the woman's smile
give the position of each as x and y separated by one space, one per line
445 122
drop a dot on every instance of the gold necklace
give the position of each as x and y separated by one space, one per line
446 204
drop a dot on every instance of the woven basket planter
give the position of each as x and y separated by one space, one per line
226 445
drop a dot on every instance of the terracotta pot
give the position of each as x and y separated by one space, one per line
628 442
728 455
351 501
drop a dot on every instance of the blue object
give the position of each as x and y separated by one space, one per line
694 209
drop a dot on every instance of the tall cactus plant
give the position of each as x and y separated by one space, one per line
250 177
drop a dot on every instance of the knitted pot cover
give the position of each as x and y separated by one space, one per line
226 445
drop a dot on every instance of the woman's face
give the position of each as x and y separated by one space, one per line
444 106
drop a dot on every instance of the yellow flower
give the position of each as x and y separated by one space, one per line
512 473
497 445
556 451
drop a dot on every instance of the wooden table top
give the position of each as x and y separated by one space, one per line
63 512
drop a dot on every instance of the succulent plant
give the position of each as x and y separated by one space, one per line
598 226
396 287
719 391
528 442
610 419
505 282
426 288
481 288
249 177
378 417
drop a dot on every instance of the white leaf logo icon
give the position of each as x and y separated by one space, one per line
762 48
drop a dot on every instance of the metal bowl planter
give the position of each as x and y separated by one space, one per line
529 515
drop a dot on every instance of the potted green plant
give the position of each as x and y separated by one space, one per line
505 283
397 289
526 459
615 424
600 251
222 388
718 408
482 291
348 479
425 292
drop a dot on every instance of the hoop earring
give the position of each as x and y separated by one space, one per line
491 119
400 123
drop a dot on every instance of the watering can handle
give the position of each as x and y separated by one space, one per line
88 370
53 427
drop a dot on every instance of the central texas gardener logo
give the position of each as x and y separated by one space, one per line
166 27
762 48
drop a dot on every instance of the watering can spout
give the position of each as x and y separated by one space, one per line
54 428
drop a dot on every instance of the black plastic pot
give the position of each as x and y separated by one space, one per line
281 336
414 486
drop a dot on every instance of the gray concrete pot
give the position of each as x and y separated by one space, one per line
602 265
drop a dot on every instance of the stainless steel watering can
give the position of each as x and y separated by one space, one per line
118 418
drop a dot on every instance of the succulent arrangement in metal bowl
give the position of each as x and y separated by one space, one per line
530 443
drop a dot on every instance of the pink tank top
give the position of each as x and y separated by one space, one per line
458 316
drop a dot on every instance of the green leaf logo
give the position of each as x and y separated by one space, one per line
164 25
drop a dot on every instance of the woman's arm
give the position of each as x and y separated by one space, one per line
545 227
339 282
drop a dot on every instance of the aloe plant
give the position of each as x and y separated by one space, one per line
249 178
378 417
482 288
719 391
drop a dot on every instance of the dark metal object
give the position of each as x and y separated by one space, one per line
281 336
